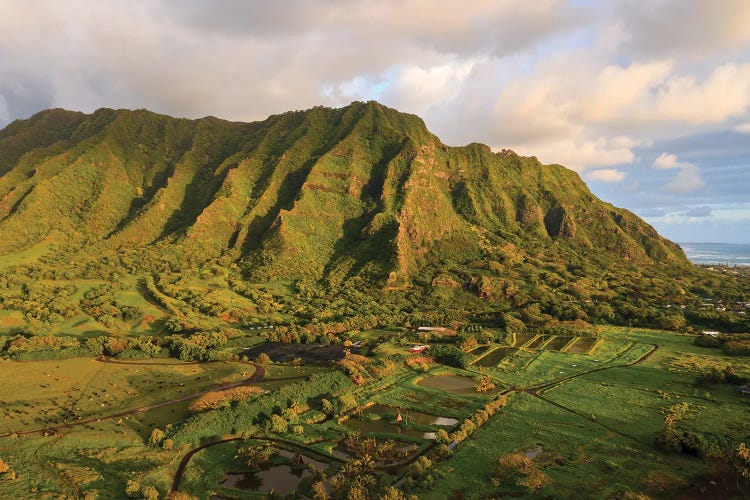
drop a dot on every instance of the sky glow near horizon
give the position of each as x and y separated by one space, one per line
650 105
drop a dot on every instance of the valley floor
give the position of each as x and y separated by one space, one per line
587 420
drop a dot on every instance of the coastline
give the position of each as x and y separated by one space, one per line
731 254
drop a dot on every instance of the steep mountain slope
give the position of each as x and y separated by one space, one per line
323 193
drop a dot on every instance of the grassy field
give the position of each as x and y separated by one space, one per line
30 255
591 419
597 430
96 461
36 394
581 458
99 457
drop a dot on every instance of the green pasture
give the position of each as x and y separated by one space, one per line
582 459
36 394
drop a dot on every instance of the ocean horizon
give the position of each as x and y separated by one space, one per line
732 254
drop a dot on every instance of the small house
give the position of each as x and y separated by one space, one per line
711 333
418 348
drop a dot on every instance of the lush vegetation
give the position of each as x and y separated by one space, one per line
131 222
142 256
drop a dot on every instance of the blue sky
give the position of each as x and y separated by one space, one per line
650 105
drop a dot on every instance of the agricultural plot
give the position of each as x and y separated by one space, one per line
494 357
537 342
596 429
582 345
382 419
557 343
282 476
453 384
215 470
479 350
581 458
522 338
586 422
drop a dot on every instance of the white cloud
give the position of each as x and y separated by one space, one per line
691 29
667 160
586 87
688 178
616 89
415 88
606 175
724 94
579 154
245 60
742 128
686 181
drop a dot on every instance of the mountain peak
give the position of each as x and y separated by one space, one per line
324 192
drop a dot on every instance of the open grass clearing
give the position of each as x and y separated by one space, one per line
37 394
31 254
583 460
100 458
632 399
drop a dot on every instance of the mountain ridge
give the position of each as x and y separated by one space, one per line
326 193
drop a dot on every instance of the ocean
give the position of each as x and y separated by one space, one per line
734 254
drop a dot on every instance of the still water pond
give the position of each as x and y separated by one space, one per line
383 418
282 479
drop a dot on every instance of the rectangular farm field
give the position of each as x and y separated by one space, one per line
492 358
583 345
479 350
537 342
557 343
522 338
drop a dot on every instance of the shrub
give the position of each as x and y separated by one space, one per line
450 356
484 384
157 436
521 470
255 456
218 399
263 359
278 424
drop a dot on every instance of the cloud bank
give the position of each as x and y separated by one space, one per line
596 86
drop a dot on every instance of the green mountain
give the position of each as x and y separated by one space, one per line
360 214
323 193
